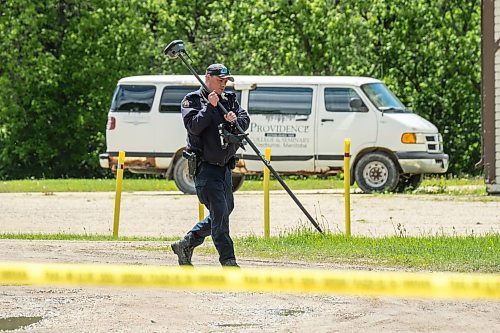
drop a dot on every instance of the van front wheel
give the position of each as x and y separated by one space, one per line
376 172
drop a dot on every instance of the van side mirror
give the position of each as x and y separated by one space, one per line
357 105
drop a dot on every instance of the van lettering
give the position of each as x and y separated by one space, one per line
279 128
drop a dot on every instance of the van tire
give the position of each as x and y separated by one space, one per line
183 181
409 182
238 180
376 172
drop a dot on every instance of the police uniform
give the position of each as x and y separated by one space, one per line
213 178
201 119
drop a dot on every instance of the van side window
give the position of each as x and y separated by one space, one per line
133 98
280 100
172 96
339 99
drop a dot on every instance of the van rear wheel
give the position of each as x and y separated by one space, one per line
376 172
238 180
185 182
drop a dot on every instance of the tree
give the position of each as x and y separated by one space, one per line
60 61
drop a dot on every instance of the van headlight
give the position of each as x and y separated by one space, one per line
409 138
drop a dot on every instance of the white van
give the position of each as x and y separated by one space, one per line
303 119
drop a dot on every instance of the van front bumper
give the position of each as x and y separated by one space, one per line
422 162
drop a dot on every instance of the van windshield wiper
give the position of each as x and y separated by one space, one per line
393 109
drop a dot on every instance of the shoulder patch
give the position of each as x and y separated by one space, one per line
185 103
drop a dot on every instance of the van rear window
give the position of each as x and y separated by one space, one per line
133 98
280 100
172 96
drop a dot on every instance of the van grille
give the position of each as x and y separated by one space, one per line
434 143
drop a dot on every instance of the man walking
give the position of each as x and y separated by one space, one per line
215 161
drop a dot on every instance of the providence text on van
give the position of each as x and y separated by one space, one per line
279 128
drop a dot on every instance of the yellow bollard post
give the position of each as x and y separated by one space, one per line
118 195
267 174
347 186
201 211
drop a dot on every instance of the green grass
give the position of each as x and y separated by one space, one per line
436 253
109 185
84 185
82 237
454 181
441 185
453 186
295 183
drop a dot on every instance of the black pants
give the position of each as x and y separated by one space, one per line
214 189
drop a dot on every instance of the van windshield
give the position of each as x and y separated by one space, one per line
383 98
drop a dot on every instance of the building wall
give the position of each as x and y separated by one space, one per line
490 97
497 94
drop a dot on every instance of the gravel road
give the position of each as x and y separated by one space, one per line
171 214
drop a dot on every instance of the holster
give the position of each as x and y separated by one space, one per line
232 162
193 162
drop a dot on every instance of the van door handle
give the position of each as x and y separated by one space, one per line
326 119
136 122
301 118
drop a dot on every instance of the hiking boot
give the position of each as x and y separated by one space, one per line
230 263
184 252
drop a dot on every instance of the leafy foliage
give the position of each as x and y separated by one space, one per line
60 61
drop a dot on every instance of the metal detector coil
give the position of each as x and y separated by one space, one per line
173 49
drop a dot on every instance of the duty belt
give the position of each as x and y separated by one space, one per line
218 164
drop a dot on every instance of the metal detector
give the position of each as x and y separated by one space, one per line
175 50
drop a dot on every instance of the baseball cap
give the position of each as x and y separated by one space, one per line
219 70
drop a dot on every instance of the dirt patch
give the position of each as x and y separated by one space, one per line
159 310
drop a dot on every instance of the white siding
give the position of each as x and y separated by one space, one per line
497 95
497 19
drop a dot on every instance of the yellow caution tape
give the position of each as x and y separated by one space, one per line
400 284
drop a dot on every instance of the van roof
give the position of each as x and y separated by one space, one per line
244 80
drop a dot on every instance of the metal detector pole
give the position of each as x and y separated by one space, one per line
256 150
